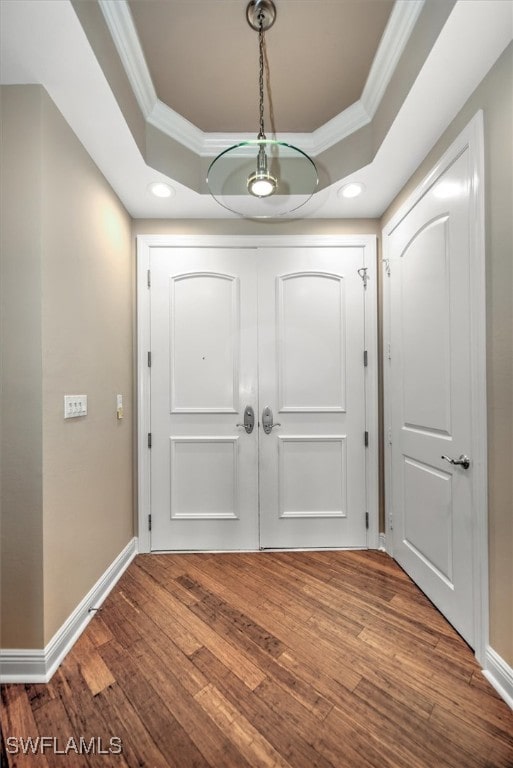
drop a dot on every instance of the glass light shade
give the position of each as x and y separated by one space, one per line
262 178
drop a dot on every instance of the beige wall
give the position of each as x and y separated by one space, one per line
87 347
77 279
495 97
21 488
245 227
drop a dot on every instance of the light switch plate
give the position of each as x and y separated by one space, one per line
74 406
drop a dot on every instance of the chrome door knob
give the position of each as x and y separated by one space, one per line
463 461
249 420
267 421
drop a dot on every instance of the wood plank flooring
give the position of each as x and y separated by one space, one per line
275 660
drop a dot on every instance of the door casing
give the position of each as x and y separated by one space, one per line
144 245
471 139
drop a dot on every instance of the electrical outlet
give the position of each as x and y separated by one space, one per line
74 406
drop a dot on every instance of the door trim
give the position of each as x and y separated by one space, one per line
471 139
144 245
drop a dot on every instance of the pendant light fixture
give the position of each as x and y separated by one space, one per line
262 178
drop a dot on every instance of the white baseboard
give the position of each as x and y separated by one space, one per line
500 675
38 665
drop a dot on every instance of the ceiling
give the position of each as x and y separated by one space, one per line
155 88
217 89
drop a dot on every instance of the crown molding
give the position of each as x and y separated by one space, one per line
214 143
347 122
177 127
397 33
124 34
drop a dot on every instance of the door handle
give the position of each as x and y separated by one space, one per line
267 421
463 461
249 419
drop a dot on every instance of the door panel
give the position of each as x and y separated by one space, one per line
313 476
204 344
204 481
425 318
192 460
311 341
427 516
431 395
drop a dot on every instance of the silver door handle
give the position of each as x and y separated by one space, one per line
249 419
463 461
267 421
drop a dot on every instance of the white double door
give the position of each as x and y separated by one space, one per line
238 328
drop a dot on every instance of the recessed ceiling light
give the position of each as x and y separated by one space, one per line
353 189
159 189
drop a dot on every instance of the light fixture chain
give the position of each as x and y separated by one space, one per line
273 188
261 135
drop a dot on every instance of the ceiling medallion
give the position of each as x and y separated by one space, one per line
263 178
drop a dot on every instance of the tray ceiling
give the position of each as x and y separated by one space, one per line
202 58
88 57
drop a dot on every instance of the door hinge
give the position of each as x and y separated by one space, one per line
148 278
149 359
389 436
366 438
365 358
149 439
149 522
389 351
386 263
367 520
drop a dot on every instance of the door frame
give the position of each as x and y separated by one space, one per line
144 245
471 139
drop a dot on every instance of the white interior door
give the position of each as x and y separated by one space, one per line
311 342
204 469
430 395
232 328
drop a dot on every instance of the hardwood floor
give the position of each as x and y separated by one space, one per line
289 660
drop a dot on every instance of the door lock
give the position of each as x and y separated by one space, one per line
249 419
267 421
